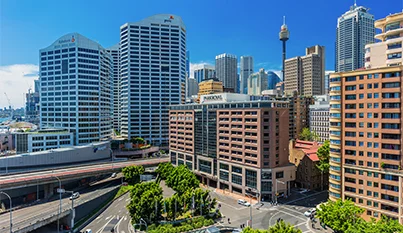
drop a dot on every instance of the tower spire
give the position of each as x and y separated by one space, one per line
355 2
283 19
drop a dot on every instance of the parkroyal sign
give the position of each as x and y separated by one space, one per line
212 98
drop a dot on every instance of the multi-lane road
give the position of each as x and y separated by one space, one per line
25 217
115 216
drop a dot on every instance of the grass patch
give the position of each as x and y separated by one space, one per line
122 190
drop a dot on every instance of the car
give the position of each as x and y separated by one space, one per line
88 231
243 202
113 175
75 195
310 212
124 184
302 191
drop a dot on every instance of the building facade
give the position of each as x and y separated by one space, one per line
303 155
388 52
327 75
203 72
43 140
257 82
246 70
226 68
272 80
32 105
355 29
234 144
153 75
211 86
306 74
76 93
114 52
365 140
193 87
319 117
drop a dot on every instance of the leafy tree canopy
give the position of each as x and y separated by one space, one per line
164 170
308 135
132 174
324 155
181 179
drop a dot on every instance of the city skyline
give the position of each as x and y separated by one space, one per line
20 59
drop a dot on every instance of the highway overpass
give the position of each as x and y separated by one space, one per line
71 173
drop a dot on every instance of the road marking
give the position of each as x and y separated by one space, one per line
102 228
128 199
118 224
125 218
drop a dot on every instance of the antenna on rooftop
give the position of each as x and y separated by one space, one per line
284 18
355 2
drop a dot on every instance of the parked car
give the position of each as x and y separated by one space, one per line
310 212
75 195
88 231
113 175
124 184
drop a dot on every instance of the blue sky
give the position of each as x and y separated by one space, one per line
239 27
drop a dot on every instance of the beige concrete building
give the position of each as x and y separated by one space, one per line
210 86
306 74
234 144
365 140
257 82
388 52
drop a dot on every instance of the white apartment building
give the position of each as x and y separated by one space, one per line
227 71
153 75
76 92
355 29
246 65
114 52
319 117
43 140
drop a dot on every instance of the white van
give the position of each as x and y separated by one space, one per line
88 231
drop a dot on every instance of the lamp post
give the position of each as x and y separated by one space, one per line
72 209
250 199
281 182
60 191
11 211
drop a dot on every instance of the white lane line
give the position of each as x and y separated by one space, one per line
128 199
118 224
102 228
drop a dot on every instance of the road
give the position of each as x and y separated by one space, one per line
115 216
27 216
291 212
72 172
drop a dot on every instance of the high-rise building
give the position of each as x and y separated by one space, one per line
76 76
355 29
327 74
365 134
153 75
365 140
114 52
234 144
32 106
193 87
210 86
226 71
319 117
389 51
203 72
246 70
272 80
257 82
306 74
187 63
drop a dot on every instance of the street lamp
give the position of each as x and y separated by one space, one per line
250 199
72 209
11 211
281 182
60 191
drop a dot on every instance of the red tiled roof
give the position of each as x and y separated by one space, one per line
314 157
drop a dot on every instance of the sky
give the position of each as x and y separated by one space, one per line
213 27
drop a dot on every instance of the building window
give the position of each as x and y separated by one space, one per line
251 178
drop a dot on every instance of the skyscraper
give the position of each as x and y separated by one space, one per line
76 76
203 72
257 82
306 74
355 29
272 80
114 52
187 63
226 70
193 88
246 71
153 75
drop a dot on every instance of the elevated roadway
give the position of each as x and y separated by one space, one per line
71 173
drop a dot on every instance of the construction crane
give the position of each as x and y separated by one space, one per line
9 104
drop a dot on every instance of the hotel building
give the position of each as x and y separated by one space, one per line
76 77
234 144
153 75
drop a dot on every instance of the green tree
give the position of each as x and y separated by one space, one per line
323 155
283 227
251 230
164 170
339 215
146 200
384 225
132 174
308 135
181 179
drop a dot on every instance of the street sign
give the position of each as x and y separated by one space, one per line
61 191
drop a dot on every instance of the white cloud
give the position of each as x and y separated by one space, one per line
195 65
15 81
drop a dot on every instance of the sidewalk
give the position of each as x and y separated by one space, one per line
227 194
